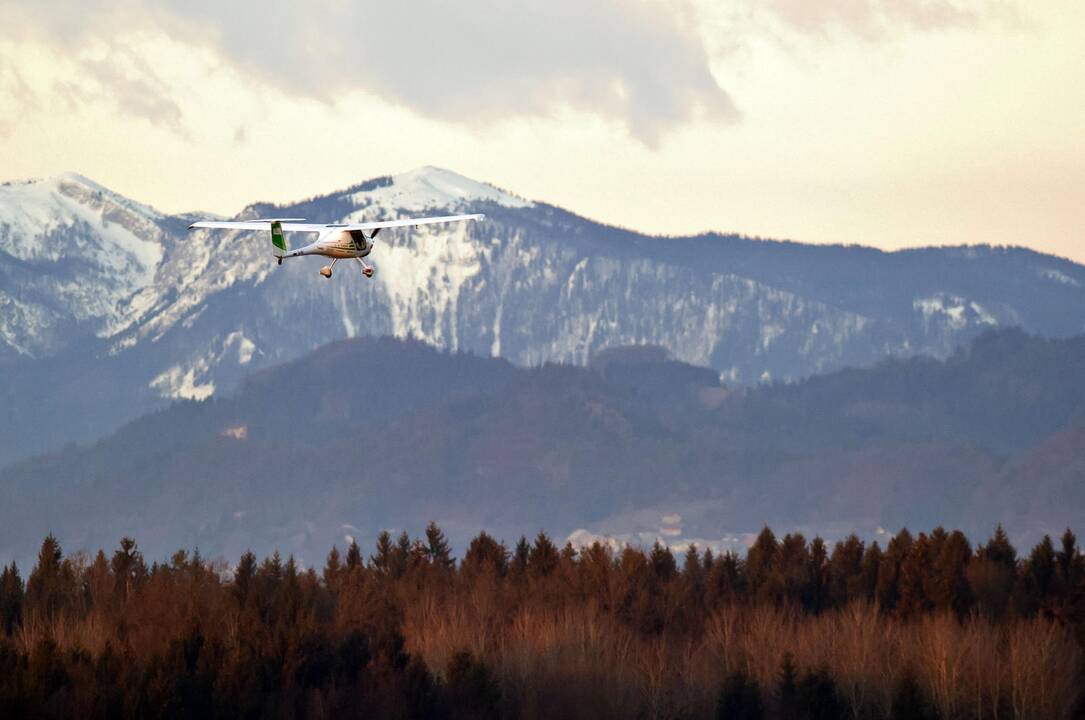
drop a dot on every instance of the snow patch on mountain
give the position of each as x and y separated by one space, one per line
201 265
424 272
196 381
702 318
1059 277
35 215
17 323
345 311
181 384
245 348
954 311
771 331
429 188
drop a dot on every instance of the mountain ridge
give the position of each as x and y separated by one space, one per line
87 344
625 449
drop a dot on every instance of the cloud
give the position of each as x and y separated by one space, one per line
15 95
874 19
136 89
638 62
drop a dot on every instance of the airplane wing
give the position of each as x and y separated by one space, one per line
288 224
258 225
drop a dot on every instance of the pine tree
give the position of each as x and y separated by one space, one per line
818 698
1042 568
354 555
99 582
816 597
912 581
789 575
382 559
595 569
11 598
999 550
109 678
128 567
726 579
662 562
272 569
45 671
178 561
872 562
485 554
440 554
290 592
472 689
543 559
760 559
520 557
992 574
243 577
50 589
707 560
693 570
888 589
419 557
740 699
401 555
1069 561
950 589
788 689
845 572
421 698
909 703
333 569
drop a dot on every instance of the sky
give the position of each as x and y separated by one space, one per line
893 123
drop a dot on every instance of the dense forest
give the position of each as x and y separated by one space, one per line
930 626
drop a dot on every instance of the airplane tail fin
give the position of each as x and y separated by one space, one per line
278 240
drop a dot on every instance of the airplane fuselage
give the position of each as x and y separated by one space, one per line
338 244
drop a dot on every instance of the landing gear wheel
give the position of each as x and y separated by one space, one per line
326 271
366 269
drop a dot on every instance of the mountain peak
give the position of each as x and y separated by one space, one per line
430 187
75 254
33 210
78 179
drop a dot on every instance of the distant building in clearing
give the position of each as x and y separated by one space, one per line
238 432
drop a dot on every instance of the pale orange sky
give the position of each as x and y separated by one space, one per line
891 123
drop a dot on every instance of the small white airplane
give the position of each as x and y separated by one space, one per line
336 241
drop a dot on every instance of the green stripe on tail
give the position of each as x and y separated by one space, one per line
278 241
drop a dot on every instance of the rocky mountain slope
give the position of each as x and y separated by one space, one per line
109 309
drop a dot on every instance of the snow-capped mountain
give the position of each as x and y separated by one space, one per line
109 308
77 259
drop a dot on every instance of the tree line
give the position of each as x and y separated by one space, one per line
929 626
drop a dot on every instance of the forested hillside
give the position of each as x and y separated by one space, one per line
381 433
